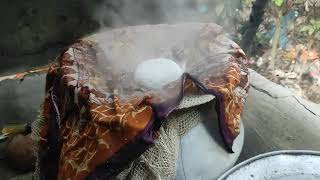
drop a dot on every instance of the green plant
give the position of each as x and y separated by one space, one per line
247 3
278 3
312 28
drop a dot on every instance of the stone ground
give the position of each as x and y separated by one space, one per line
274 118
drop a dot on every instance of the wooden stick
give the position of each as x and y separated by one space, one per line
20 76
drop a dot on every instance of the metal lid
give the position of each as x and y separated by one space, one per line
278 165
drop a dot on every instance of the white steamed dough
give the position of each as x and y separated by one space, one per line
156 73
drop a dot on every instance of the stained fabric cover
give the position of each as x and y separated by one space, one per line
96 119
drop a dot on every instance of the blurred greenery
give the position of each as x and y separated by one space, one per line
278 2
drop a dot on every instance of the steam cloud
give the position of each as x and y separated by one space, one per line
120 13
117 13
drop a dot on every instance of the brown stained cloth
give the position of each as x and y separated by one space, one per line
97 119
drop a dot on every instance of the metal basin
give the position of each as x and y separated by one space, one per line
278 165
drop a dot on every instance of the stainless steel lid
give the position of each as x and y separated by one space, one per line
278 165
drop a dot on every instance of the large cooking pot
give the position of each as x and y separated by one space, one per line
278 165
202 155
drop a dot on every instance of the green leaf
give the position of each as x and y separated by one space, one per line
278 2
305 28
311 31
247 2
317 25
317 35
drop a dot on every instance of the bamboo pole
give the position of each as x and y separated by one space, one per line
20 76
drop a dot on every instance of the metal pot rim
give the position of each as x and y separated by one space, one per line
265 155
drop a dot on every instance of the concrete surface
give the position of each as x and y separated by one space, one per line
277 119
20 100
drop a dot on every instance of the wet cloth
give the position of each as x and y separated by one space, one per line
96 119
